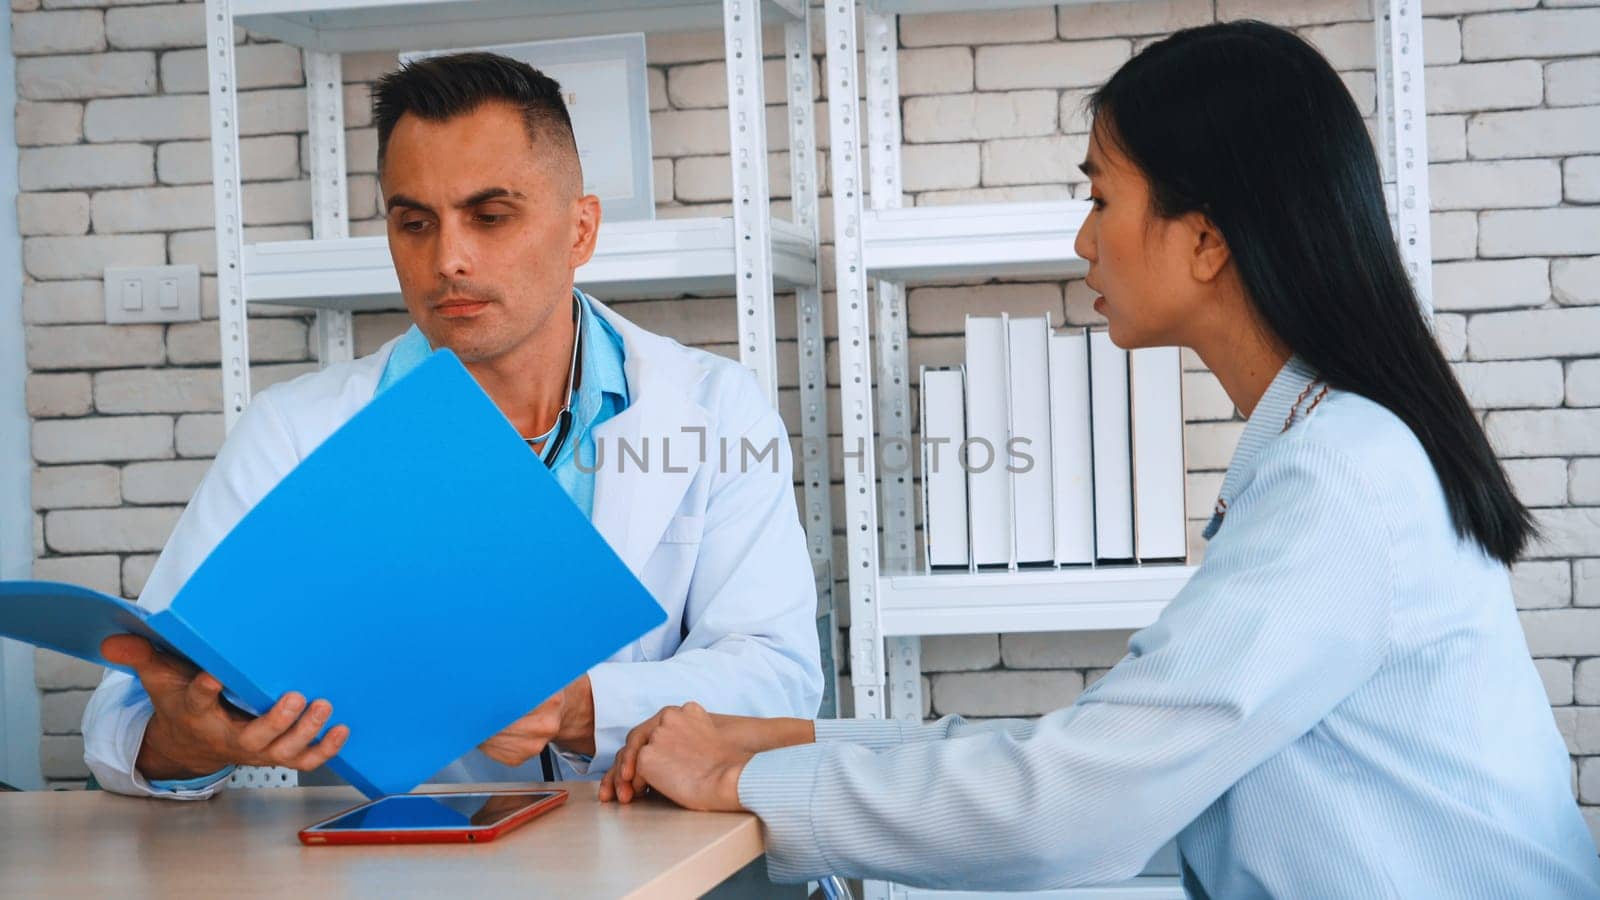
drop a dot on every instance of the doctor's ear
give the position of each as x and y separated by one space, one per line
1209 251
586 228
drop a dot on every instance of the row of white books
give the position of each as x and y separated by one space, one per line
1052 448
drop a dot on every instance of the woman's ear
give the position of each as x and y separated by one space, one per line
1210 252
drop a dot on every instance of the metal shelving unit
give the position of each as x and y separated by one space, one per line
892 602
749 254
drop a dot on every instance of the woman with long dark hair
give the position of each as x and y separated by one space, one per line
1340 702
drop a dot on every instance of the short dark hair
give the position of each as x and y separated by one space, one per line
442 87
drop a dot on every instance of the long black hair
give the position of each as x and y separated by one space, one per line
1249 125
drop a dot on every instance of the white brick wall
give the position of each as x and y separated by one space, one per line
114 167
81 77
1567 331
48 123
84 166
34 34
1005 68
1533 133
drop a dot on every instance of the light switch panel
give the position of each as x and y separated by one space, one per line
132 294
167 293
152 294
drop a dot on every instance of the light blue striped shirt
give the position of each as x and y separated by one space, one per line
1339 704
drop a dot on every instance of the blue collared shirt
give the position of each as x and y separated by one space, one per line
1340 703
601 393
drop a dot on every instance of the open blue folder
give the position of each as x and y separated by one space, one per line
420 569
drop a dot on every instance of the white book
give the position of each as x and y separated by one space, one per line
1113 465
944 484
1030 456
1072 470
988 415
1155 378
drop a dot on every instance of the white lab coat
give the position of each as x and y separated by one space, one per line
719 546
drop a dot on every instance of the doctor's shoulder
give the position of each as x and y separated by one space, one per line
729 393
306 409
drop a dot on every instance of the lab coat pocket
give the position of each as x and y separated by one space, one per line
684 530
668 574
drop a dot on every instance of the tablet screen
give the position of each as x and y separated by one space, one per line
433 812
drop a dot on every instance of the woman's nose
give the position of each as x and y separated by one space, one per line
1084 243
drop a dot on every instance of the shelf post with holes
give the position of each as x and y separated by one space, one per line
855 363
227 199
752 218
1403 136
904 652
816 479
330 214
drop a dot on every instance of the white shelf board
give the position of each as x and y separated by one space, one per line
923 243
1066 599
918 7
635 259
1144 887
352 26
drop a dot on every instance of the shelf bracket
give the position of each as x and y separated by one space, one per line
855 364
330 216
752 222
1403 137
893 366
227 195
797 10
815 477
905 679
227 199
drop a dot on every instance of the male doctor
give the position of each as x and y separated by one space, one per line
487 221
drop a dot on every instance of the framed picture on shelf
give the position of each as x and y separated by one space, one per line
604 83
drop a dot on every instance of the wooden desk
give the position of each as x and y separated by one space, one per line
243 843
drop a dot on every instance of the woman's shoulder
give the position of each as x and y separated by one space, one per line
1360 427
1369 443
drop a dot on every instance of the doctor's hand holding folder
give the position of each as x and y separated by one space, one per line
400 574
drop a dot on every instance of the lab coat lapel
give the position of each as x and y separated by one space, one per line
633 502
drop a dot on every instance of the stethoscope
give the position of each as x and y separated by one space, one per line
553 441
556 438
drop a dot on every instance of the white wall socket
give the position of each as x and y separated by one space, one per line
152 294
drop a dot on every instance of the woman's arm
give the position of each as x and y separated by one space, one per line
886 734
1289 614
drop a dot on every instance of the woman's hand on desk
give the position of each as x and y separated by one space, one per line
695 757
193 732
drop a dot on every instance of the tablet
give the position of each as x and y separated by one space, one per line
444 818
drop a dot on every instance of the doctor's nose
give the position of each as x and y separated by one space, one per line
453 252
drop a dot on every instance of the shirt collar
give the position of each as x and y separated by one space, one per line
1266 423
602 357
603 372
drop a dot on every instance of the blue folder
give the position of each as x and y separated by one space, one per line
420 569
